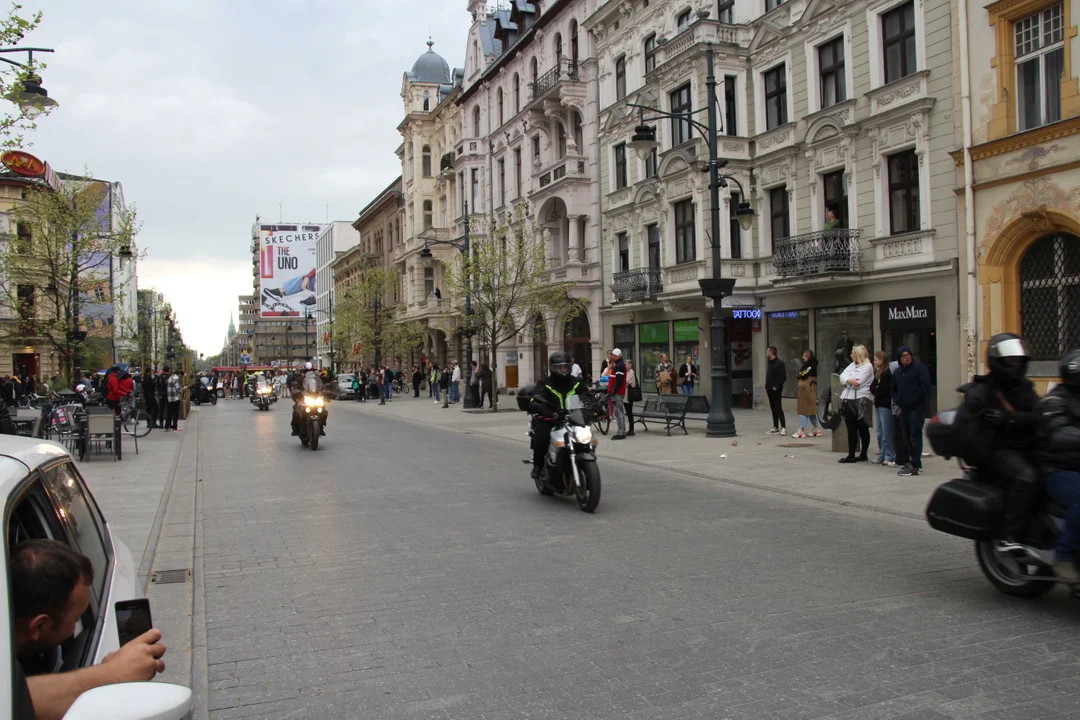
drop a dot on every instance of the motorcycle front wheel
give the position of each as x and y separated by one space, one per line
588 493
541 485
213 399
1007 574
314 431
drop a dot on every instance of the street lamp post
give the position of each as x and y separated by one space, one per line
721 421
462 244
31 98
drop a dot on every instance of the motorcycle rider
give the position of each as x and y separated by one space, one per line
1058 453
551 395
310 383
998 419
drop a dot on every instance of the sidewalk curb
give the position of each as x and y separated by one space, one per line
159 518
684 473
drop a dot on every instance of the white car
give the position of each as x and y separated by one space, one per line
45 497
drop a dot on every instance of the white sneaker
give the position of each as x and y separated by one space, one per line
774 431
783 432
891 464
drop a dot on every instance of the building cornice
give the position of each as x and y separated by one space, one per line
1020 141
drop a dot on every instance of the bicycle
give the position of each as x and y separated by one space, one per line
599 412
133 420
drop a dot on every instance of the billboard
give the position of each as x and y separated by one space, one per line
287 269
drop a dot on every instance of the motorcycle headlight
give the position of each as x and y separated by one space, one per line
582 435
319 402
310 401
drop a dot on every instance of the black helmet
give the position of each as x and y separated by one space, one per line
1007 356
1069 369
560 363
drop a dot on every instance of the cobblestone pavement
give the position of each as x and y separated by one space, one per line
412 572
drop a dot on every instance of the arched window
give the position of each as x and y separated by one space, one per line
476 121
620 77
499 103
1050 296
562 140
558 49
517 93
428 215
650 53
425 161
573 43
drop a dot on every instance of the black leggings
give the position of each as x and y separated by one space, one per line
857 430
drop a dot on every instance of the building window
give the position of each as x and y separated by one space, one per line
429 282
831 70
535 69
624 252
682 21
685 240
620 77
773 4
425 161
775 97
25 235
898 41
652 162
428 215
499 105
680 103
836 200
620 166
573 44
476 121
904 192
26 304
502 182
561 134
517 93
1040 63
1050 296
427 101
734 229
517 172
558 50
578 130
731 125
475 194
653 233
778 215
650 53
536 146
727 14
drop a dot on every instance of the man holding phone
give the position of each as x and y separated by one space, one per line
51 587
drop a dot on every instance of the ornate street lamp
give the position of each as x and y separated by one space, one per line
30 96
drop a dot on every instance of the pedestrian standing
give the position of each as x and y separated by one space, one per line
436 373
173 397
617 392
688 374
150 397
445 384
775 376
417 378
455 383
485 386
427 376
882 391
807 396
474 384
162 383
910 389
388 383
633 395
857 403
665 383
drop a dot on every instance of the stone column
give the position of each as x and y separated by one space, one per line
573 245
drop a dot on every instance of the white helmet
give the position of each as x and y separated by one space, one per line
308 366
80 388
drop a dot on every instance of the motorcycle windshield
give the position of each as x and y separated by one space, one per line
311 384
575 410
261 382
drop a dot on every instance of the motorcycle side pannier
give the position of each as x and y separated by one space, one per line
967 509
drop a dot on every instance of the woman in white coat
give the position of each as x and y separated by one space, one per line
857 403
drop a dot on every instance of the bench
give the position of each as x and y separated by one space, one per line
670 409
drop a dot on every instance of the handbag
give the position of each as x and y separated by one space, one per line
849 410
634 393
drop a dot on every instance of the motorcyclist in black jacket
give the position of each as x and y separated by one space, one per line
998 417
1059 458
550 397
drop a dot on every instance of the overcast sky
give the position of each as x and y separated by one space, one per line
211 113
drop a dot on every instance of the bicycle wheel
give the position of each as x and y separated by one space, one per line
138 424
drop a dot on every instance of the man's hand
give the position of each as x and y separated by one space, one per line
138 661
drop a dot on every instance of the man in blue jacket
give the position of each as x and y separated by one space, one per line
910 388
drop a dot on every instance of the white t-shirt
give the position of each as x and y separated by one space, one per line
575 371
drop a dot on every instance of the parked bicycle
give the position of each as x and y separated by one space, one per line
133 420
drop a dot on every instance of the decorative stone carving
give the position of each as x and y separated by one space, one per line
773 140
822 25
734 147
902 248
771 52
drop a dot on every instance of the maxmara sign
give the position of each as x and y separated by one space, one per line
910 314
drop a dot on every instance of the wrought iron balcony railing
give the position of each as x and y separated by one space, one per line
564 70
821 253
639 284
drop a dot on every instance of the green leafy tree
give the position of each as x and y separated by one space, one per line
364 315
510 282
15 123
61 248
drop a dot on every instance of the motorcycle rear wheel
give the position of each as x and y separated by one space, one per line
588 494
1005 573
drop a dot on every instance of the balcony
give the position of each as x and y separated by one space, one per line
827 252
639 284
566 70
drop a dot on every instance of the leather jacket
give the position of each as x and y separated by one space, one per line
995 416
552 392
1058 431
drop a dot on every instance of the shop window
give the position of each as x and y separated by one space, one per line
620 166
1050 296
685 240
898 42
831 70
1040 63
775 97
654 340
624 252
836 198
624 338
686 338
680 104
620 77
904 192
837 330
789 332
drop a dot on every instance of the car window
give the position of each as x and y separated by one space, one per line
82 518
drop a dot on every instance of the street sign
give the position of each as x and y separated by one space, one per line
245 358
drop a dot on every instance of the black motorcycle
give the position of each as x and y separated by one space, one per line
201 394
972 507
570 467
312 408
263 396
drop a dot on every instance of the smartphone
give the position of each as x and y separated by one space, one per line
132 619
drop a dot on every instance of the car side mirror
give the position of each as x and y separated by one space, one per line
132 701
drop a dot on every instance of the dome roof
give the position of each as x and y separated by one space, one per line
430 68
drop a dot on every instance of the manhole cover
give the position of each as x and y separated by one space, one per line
795 445
168 577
